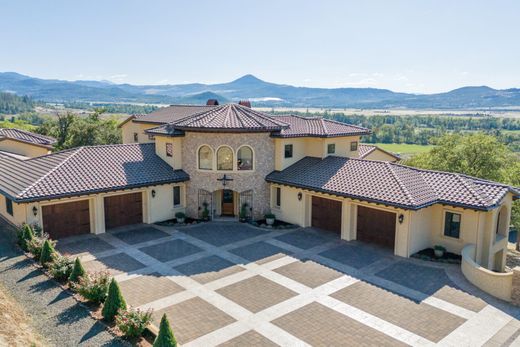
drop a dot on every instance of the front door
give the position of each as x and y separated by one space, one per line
228 205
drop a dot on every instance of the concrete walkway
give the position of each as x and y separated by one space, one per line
54 313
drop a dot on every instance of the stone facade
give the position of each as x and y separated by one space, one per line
515 289
263 148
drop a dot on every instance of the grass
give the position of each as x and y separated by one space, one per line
403 148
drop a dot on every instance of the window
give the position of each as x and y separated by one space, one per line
288 151
452 224
331 148
169 149
9 206
278 201
245 158
353 146
205 158
151 137
176 196
136 137
225 159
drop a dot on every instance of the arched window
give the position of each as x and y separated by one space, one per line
225 159
245 158
205 158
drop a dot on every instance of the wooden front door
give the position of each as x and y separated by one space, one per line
326 214
228 204
123 209
68 219
376 226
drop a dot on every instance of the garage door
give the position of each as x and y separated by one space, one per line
123 210
376 226
62 220
326 214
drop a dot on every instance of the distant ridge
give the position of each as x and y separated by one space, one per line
262 93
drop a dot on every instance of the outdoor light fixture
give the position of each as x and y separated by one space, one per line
300 195
401 218
35 211
153 193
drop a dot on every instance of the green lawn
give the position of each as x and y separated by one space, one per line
403 148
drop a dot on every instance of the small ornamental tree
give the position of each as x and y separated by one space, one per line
25 235
165 337
114 301
77 271
48 253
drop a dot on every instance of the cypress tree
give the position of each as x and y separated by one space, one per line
77 271
114 301
27 234
165 337
48 253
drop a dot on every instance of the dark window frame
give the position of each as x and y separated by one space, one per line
331 148
169 149
288 151
354 146
451 226
177 201
9 206
278 197
136 137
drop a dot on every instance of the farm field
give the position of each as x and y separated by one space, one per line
403 148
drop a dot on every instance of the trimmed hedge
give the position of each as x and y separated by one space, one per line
165 337
77 271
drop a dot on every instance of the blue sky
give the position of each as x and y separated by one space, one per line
414 46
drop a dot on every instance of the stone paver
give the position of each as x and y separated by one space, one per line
419 318
81 247
308 273
193 318
144 289
256 293
209 269
460 298
140 235
222 234
318 325
354 256
114 264
305 239
260 252
251 339
170 250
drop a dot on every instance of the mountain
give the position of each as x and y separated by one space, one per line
262 93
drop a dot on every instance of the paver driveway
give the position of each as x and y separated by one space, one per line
232 284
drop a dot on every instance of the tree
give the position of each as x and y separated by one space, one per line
48 253
114 301
165 337
77 271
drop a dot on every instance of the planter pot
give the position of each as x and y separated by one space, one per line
269 221
438 253
181 220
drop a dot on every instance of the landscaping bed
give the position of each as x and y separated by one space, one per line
174 223
278 224
429 255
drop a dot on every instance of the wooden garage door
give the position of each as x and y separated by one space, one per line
376 226
123 210
61 220
326 214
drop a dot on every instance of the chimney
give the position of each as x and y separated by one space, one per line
212 102
245 103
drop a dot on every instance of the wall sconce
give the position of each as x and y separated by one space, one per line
401 218
300 195
153 193
35 211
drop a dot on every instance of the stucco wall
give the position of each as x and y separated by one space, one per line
174 161
263 147
129 128
378 154
19 212
23 148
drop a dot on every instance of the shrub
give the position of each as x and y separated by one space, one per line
77 271
180 215
114 301
94 286
132 322
61 268
439 248
48 253
269 215
165 337
25 234
35 245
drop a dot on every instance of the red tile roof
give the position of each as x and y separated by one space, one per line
85 170
27 137
391 184
317 127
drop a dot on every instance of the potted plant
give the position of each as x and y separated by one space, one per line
181 217
205 211
439 251
269 218
243 213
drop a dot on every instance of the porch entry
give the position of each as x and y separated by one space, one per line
225 203
228 203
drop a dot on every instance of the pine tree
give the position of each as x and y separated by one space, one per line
27 234
165 337
77 271
114 301
48 253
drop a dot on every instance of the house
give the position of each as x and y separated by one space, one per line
371 152
24 143
220 159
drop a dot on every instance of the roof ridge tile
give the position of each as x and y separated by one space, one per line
401 184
